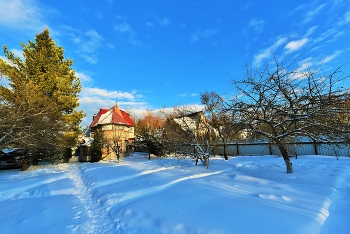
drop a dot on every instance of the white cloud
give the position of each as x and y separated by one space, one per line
261 56
125 29
110 45
324 35
267 52
311 63
194 38
336 2
120 17
246 6
305 64
91 107
102 103
316 11
18 53
203 33
278 43
93 43
19 14
92 59
310 31
188 94
256 24
83 77
209 32
87 42
97 92
163 22
298 8
296 45
93 99
93 104
312 13
331 57
347 16
149 24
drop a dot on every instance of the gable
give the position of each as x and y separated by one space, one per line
112 116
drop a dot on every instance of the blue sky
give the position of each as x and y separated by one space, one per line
148 55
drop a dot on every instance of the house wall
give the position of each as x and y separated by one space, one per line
117 135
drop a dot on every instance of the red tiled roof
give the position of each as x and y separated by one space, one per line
112 116
97 117
126 116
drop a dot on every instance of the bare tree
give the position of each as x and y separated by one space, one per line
220 118
187 134
149 122
286 103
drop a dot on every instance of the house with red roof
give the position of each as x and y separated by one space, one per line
117 130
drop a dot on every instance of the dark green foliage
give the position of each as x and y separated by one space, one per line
39 106
151 143
96 147
154 144
67 154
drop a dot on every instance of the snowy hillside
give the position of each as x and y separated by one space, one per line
250 194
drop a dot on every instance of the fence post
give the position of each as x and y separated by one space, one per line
315 147
270 149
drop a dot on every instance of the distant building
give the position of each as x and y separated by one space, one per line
194 122
117 130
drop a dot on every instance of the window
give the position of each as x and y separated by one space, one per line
105 148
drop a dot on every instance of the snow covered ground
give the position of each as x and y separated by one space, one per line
249 194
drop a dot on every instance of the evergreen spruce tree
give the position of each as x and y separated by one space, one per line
96 147
44 85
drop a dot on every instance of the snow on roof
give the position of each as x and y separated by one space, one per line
186 123
190 121
112 116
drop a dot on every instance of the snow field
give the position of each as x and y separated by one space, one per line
248 194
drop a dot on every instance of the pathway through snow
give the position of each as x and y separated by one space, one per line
170 196
101 220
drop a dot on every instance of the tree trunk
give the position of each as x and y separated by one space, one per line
24 164
289 166
224 144
67 155
35 162
286 158
225 153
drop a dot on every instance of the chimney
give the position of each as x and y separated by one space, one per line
93 117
